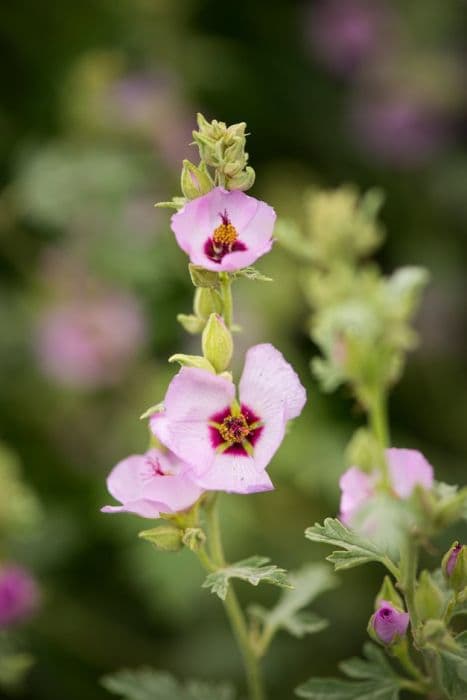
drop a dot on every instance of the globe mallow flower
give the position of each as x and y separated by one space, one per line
229 443
150 484
224 231
388 623
407 469
19 595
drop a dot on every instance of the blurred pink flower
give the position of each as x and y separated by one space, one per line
150 484
388 623
224 230
230 444
19 595
398 129
346 33
407 469
89 343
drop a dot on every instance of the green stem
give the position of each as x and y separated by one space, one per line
409 566
402 654
378 418
233 609
226 287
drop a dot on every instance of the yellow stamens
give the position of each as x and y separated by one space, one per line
234 429
225 234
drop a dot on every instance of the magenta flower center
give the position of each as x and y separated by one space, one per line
224 240
235 430
154 467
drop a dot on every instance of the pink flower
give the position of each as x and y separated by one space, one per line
224 231
407 469
19 595
228 443
388 623
88 343
151 484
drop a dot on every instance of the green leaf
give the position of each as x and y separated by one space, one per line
203 278
308 583
147 684
334 689
357 549
251 273
254 570
375 680
453 669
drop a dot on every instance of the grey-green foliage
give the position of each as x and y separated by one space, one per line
373 678
453 669
254 570
288 613
148 684
354 548
14 665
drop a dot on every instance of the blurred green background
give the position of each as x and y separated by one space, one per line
98 103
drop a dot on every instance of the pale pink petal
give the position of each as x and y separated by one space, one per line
234 474
150 484
356 488
269 385
232 261
193 397
408 468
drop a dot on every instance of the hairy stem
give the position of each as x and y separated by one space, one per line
233 609
378 418
226 288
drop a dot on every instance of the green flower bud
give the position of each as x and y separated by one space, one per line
195 181
194 538
206 302
166 538
217 343
243 181
429 601
234 132
454 566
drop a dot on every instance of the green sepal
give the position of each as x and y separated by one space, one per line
193 361
192 324
166 538
203 278
388 592
251 273
194 538
429 599
176 203
157 408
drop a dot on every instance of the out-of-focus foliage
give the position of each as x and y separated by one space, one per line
98 104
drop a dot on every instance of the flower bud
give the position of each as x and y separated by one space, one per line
429 600
206 302
195 181
388 624
243 181
19 595
217 343
454 566
388 594
194 538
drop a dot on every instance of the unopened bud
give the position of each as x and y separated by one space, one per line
194 181
166 538
243 181
388 594
206 302
388 624
454 566
217 343
429 601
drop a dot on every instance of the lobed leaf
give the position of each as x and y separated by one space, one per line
254 570
148 684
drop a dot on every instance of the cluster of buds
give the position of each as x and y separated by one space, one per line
223 147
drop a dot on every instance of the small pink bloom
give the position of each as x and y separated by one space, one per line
151 484
356 487
229 445
19 595
389 624
224 231
407 469
89 343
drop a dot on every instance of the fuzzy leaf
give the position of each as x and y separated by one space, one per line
254 570
14 667
307 584
375 665
357 549
148 684
453 669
